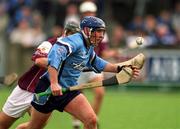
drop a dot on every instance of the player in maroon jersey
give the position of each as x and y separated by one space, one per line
19 101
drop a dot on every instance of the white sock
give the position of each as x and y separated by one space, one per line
76 123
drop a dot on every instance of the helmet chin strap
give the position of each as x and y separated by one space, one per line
88 43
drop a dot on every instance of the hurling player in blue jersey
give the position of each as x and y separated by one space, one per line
19 101
66 60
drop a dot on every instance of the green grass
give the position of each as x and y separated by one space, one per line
125 109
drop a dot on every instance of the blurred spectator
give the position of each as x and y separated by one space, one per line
101 7
136 24
72 14
24 13
37 20
3 17
149 27
122 10
37 25
150 24
59 12
45 8
165 18
14 10
176 21
164 35
3 44
27 36
153 7
88 8
24 38
118 37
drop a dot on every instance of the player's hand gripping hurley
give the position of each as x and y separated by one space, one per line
124 76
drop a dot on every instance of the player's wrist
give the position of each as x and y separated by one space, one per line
119 68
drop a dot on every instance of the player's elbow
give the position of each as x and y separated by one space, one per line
41 62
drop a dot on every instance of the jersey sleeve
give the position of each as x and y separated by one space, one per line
97 64
59 52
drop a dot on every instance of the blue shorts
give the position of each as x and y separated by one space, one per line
54 102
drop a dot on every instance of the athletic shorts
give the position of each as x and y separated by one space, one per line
88 76
18 102
53 102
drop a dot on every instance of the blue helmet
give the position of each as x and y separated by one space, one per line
93 23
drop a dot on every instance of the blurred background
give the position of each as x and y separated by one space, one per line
24 24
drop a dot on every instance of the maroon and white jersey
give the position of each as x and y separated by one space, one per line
30 78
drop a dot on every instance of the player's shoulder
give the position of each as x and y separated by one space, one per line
52 40
75 39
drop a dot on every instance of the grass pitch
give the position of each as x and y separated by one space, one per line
124 109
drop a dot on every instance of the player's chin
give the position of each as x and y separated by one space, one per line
100 40
97 42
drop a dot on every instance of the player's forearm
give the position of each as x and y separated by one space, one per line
55 87
41 62
53 75
111 68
